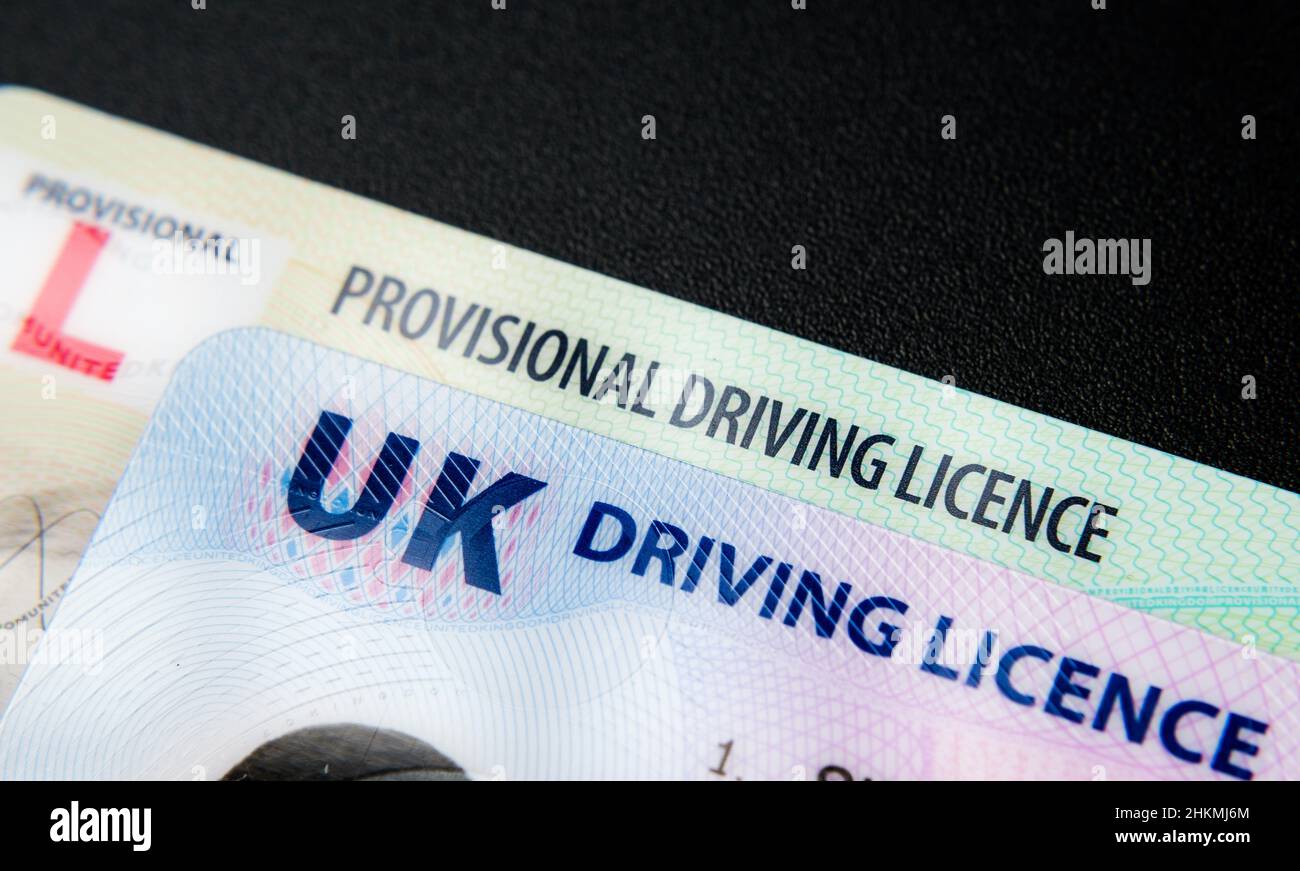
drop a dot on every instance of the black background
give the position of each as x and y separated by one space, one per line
304 825
819 127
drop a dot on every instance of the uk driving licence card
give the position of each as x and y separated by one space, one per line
306 541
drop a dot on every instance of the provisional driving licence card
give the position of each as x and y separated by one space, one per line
126 247
304 540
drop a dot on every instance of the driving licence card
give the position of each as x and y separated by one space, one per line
306 542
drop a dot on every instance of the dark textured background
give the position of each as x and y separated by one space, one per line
818 127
